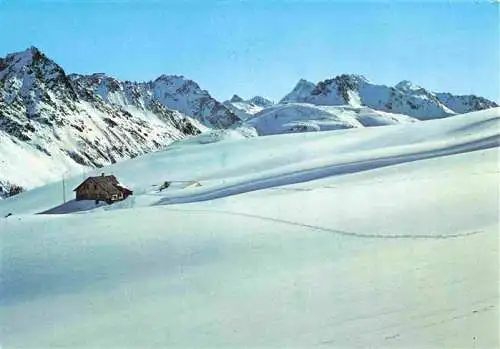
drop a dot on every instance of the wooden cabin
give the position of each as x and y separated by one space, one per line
102 188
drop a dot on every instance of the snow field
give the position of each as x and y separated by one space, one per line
392 243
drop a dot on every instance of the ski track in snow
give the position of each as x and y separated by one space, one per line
331 230
330 170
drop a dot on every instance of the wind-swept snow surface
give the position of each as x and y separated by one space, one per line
304 117
380 237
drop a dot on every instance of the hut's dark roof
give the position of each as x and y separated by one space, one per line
107 183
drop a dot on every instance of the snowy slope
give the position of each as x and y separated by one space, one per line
404 98
243 109
380 237
232 164
304 117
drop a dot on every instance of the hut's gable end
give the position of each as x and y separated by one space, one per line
85 188
84 184
90 190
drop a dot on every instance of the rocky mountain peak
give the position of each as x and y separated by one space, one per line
236 99
176 81
19 61
178 93
302 89
28 76
406 85
261 101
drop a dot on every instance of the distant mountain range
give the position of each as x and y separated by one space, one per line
348 101
404 98
53 123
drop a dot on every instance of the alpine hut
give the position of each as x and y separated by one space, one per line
102 188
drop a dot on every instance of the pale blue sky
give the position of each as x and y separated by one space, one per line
265 47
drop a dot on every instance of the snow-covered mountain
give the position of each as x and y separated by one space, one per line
304 117
404 98
179 93
246 108
54 124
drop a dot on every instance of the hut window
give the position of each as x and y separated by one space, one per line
114 197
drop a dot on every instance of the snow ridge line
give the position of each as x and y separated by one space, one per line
331 170
334 231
